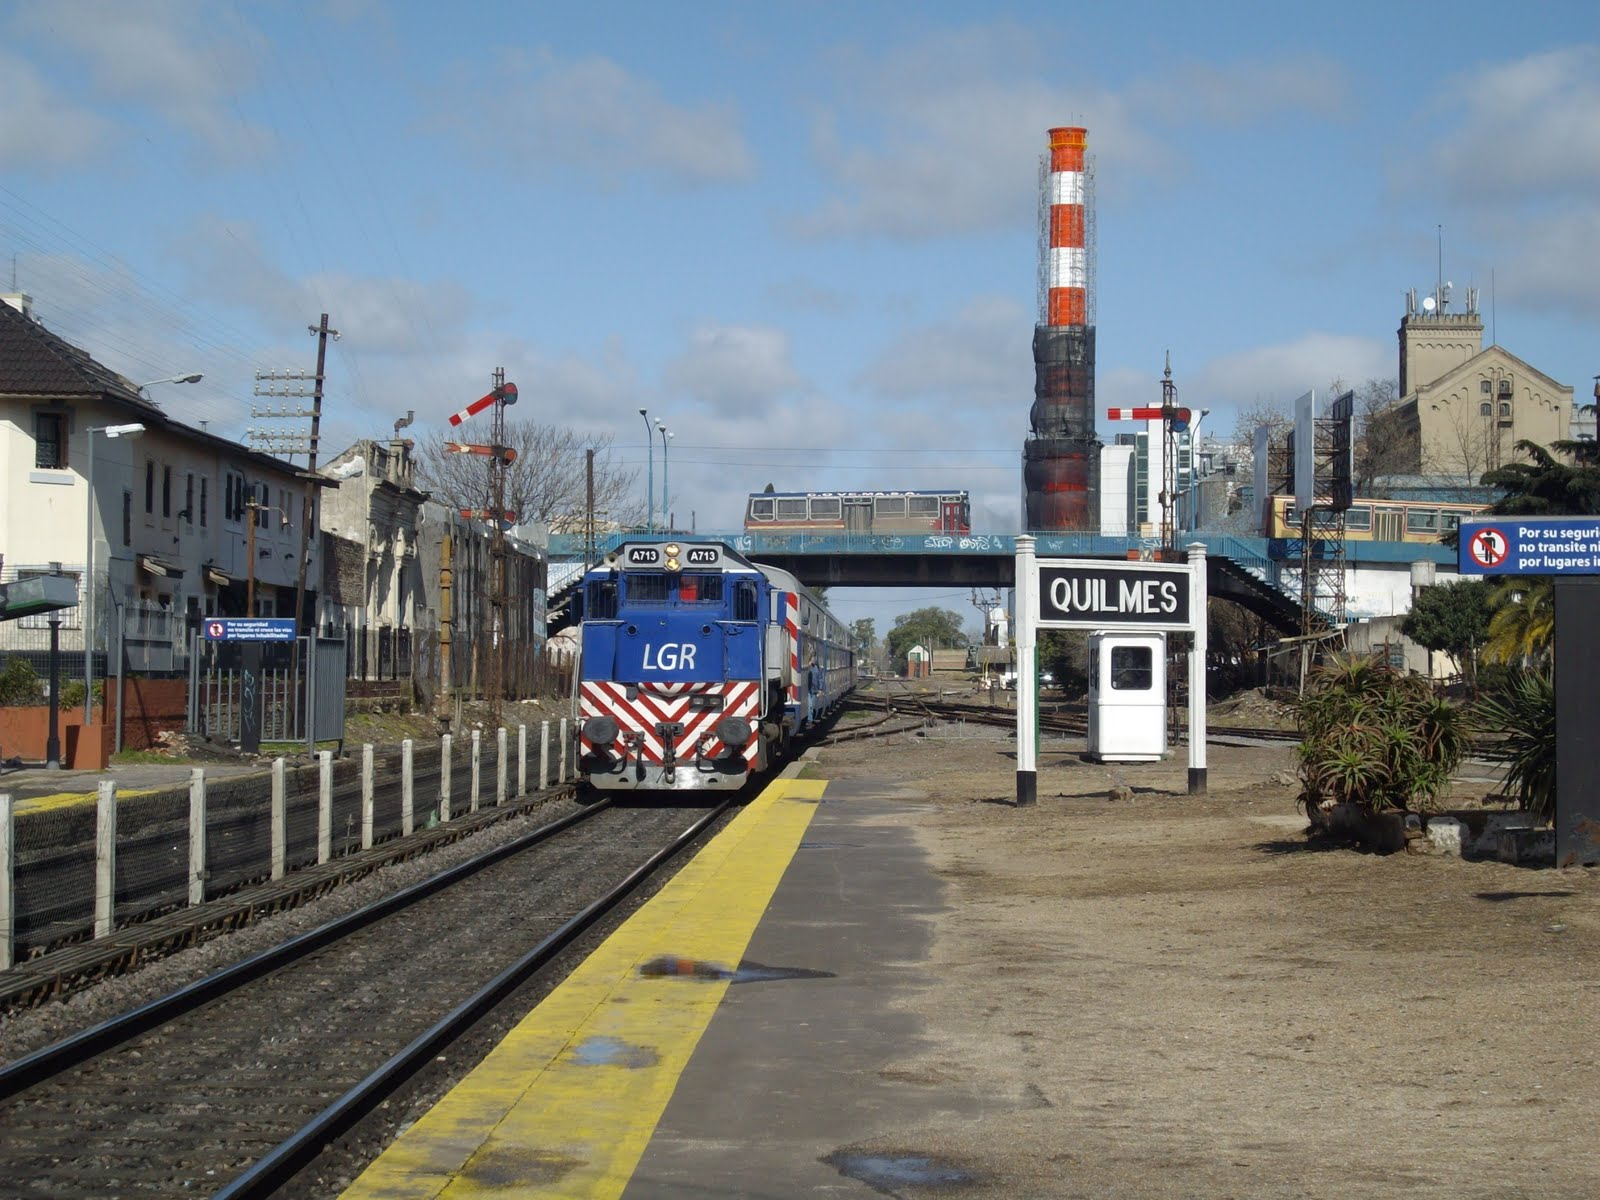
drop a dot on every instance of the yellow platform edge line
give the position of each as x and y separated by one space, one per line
567 1103
67 799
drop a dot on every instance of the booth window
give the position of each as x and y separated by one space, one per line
1132 668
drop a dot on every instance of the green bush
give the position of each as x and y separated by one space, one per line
1521 709
72 693
1376 738
19 683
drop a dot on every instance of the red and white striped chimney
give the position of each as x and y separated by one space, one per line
1067 270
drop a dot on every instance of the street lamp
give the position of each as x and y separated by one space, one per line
650 490
1194 470
132 429
196 377
666 516
251 507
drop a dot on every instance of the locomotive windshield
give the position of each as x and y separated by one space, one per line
647 587
700 589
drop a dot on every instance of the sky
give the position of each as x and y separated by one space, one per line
803 236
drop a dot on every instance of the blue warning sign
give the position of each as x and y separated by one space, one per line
1530 546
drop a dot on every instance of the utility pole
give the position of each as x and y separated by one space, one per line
308 516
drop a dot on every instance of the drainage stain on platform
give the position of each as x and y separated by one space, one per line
671 966
885 1171
613 1052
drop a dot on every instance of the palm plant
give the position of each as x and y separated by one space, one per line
1522 623
1375 738
1522 710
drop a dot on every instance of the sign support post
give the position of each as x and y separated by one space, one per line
1568 550
1197 670
1027 676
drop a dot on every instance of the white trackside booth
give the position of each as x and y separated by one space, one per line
1127 697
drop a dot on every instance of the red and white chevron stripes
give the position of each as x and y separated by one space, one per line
666 703
791 624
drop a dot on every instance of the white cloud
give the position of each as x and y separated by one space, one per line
184 59
1524 131
1245 92
979 361
956 121
1274 375
1513 175
40 128
592 115
735 369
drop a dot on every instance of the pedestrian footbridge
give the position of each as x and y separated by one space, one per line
1261 574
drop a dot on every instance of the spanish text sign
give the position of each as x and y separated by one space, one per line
249 629
1530 546
1108 595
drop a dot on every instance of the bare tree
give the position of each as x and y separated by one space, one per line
1380 447
546 482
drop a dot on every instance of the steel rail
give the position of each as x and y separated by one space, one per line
271 1171
60 1056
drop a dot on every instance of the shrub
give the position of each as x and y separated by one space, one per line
72 692
1521 708
1376 738
19 683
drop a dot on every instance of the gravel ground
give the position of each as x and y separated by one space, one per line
1180 996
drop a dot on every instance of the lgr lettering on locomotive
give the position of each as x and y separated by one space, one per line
1146 597
671 657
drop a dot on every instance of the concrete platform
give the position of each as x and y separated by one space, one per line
728 1040
36 789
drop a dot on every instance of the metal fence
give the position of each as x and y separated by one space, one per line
81 870
217 685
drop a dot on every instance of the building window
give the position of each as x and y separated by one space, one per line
188 497
166 491
127 516
262 495
50 440
149 486
203 489
1486 409
1505 387
233 511
1505 408
1483 386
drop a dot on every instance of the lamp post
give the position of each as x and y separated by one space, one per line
1194 470
132 429
194 377
650 488
666 515
251 507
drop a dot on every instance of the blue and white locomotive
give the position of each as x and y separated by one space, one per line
698 667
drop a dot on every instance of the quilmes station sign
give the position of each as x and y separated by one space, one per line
1098 593
1110 595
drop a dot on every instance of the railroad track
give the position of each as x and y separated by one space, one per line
232 1085
1063 719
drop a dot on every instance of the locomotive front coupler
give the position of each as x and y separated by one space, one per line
670 731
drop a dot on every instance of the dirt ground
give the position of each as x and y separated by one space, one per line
1180 997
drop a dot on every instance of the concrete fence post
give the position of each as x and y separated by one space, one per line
565 748
500 764
477 769
408 796
105 858
544 755
522 760
8 873
197 835
324 805
280 815
366 795
444 779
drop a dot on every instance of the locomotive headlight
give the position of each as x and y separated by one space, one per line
734 731
672 550
601 729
